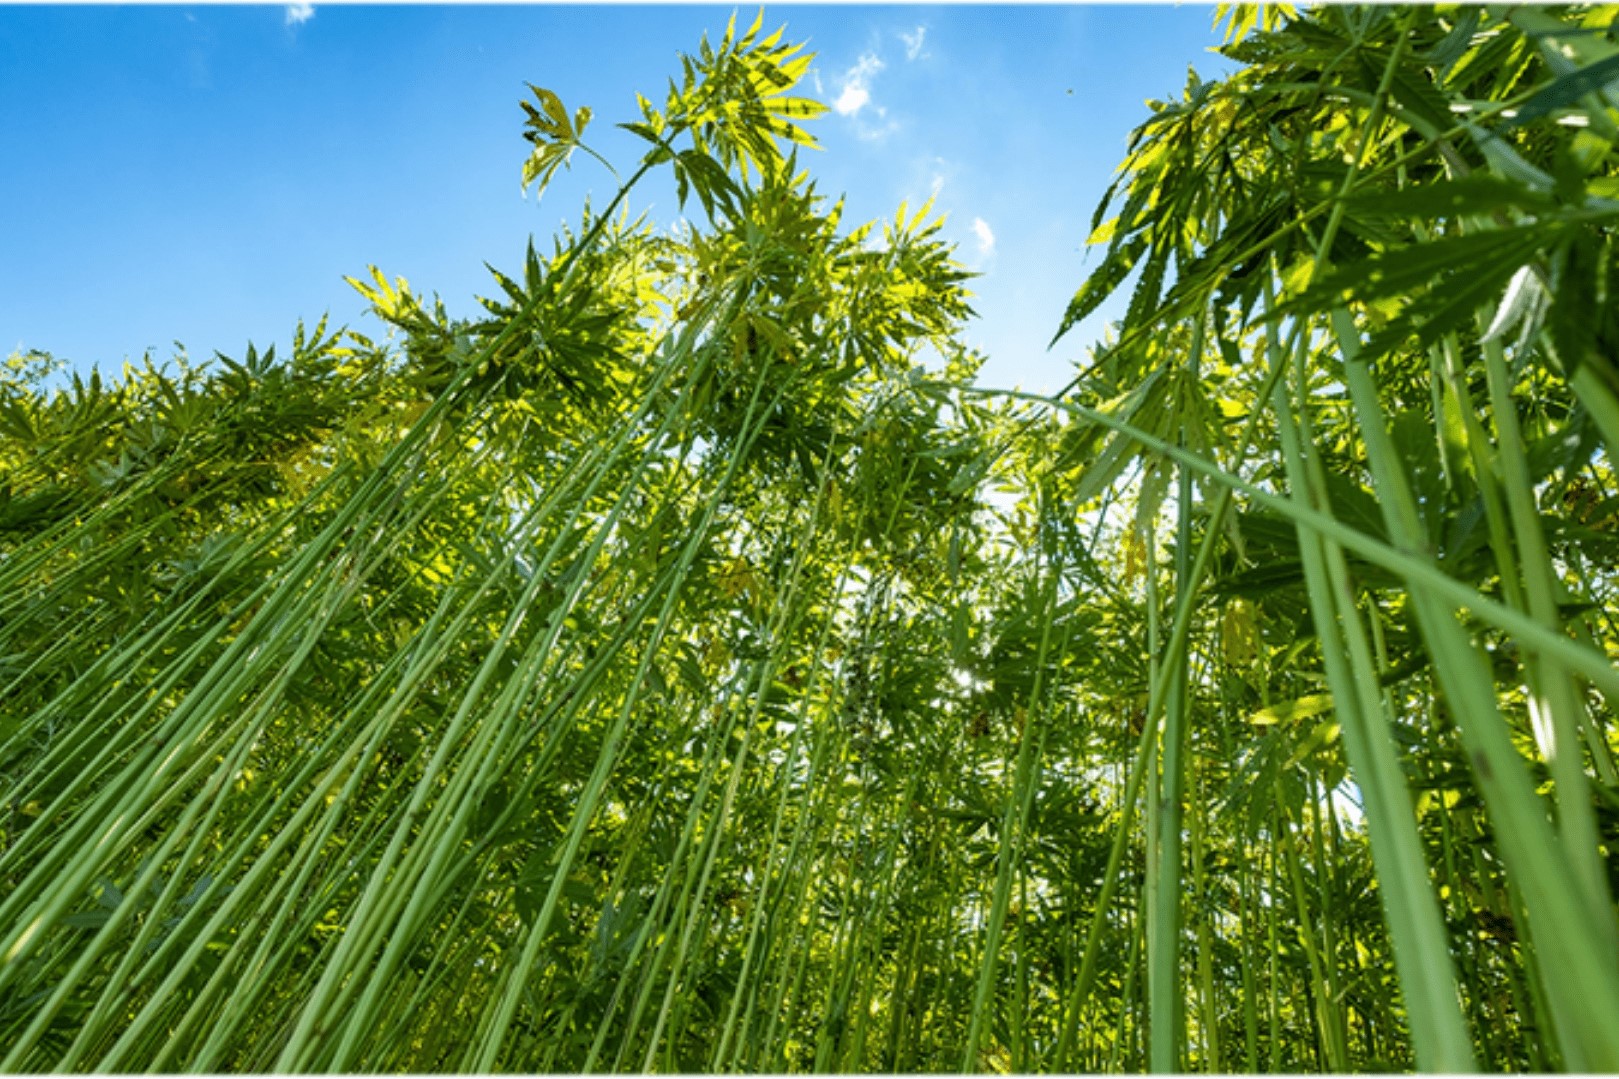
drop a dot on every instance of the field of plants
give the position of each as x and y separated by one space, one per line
687 666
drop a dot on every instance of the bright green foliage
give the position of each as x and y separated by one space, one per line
670 670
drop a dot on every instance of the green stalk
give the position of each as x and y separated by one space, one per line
1273 995
1250 988
1164 902
1416 571
1421 948
1152 886
1582 977
1127 997
1326 1026
501 1018
784 619
1551 690
394 909
1014 825
1209 1018
774 867
1333 995
1185 605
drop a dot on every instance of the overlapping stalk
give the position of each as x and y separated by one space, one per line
642 680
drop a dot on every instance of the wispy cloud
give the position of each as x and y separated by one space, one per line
986 236
913 42
933 171
856 92
298 14
878 131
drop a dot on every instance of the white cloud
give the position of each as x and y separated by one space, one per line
913 42
852 100
986 236
298 14
856 93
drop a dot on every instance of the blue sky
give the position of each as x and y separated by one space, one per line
209 174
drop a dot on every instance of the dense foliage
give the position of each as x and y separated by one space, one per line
685 666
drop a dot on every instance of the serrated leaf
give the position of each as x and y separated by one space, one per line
1507 162
1574 320
1101 284
1404 270
1453 46
1477 193
1515 304
1567 91
553 109
1453 304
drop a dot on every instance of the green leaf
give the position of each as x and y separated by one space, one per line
553 109
1320 737
1456 303
1454 45
1471 195
1287 711
1401 271
1566 91
555 137
1101 284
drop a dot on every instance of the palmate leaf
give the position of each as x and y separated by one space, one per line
1254 231
1496 56
1261 580
699 172
543 163
1418 99
393 303
1452 278
1155 404
1445 308
1563 48
734 99
1401 271
19 418
554 134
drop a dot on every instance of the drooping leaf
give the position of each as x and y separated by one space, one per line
1101 284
